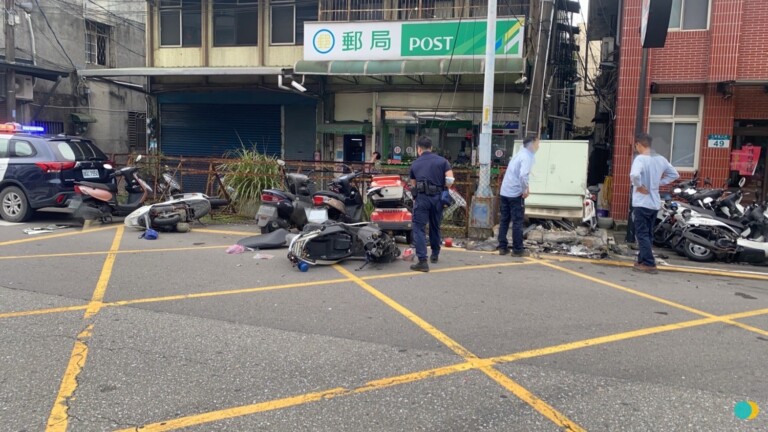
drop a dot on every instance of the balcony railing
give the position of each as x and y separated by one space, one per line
399 10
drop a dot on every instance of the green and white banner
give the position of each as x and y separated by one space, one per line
402 40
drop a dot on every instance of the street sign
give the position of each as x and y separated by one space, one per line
403 40
398 150
718 141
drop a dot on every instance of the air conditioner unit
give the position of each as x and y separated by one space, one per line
24 87
607 50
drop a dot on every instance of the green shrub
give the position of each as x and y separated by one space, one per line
247 174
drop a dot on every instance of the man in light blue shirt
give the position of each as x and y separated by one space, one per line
649 171
514 191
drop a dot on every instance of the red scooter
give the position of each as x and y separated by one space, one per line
99 200
392 205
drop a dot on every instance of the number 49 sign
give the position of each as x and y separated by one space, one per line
719 141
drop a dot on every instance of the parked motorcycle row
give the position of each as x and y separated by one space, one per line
712 224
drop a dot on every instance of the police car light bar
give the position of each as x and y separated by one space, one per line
15 127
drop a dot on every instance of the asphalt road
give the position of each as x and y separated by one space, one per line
101 330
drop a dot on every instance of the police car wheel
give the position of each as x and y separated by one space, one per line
14 206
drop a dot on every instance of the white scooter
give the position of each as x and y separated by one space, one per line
172 215
707 239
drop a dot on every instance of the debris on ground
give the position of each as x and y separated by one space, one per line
559 237
46 229
263 256
236 249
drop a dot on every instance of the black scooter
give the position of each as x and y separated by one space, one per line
341 203
286 209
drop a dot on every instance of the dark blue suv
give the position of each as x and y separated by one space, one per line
39 171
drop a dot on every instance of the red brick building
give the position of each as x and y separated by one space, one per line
711 78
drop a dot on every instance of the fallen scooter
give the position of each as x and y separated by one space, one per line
172 215
169 187
333 242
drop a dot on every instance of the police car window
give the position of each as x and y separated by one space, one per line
22 149
3 147
66 151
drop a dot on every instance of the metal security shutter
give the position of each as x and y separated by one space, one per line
212 130
300 133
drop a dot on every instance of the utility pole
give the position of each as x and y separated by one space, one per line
538 81
482 211
10 57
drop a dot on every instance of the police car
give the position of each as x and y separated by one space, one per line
38 170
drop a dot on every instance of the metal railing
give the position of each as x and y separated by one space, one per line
402 10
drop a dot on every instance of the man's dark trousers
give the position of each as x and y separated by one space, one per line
644 220
427 210
512 209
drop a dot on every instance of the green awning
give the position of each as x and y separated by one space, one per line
82 118
348 128
406 67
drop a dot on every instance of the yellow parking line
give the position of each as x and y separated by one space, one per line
52 236
513 387
59 417
42 311
128 251
669 268
243 290
225 232
653 298
227 413
223 293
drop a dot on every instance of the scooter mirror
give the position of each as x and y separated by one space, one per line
139 157
742 182
708 181
281 162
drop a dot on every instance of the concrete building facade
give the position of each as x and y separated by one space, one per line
54 41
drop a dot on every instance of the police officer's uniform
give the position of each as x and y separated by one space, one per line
429 172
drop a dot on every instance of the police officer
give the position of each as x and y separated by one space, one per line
430 174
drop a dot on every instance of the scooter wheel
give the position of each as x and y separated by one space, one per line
170 220
182 227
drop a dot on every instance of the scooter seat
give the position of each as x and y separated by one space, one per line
330 194
111 187
714 194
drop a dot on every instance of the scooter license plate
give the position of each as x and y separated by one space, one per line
74 203
90 173
317 215
264 214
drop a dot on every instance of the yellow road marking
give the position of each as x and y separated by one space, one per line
47 237
59 417
222 293
516 389
225 232
653 298
42 311
128 251
243 290
446 270
228 413
106 272
427 327
671 268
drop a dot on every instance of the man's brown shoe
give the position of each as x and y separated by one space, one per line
645 268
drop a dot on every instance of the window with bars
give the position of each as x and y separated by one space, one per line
98 38
376 10
137 130
675 125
